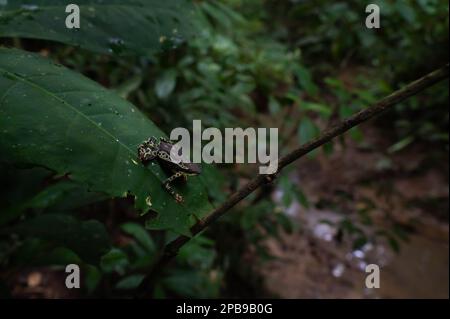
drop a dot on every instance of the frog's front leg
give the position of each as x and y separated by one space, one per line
169 188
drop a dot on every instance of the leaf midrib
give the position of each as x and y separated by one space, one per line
40 88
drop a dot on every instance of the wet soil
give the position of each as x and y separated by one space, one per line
404 189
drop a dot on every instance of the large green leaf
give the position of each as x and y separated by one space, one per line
56 118
112 26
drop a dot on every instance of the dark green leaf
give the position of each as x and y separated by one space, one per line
305 79
322 109
88 239
307 130
130 282
141 235
114 261
193 284
113 26
92 278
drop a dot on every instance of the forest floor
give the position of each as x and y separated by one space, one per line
406 189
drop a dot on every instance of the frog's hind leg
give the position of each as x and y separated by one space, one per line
169 188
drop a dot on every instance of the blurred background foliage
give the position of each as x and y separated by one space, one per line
296 65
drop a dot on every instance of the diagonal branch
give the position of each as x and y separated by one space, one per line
172 248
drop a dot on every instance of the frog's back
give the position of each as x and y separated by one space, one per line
164 154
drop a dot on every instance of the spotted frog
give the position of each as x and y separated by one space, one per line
153 149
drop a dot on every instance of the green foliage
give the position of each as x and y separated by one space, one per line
88 239
412 29
222 69
68 145
104 25
37 252
194 275
412 40
78 129
141 236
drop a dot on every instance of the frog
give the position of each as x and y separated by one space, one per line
154 149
